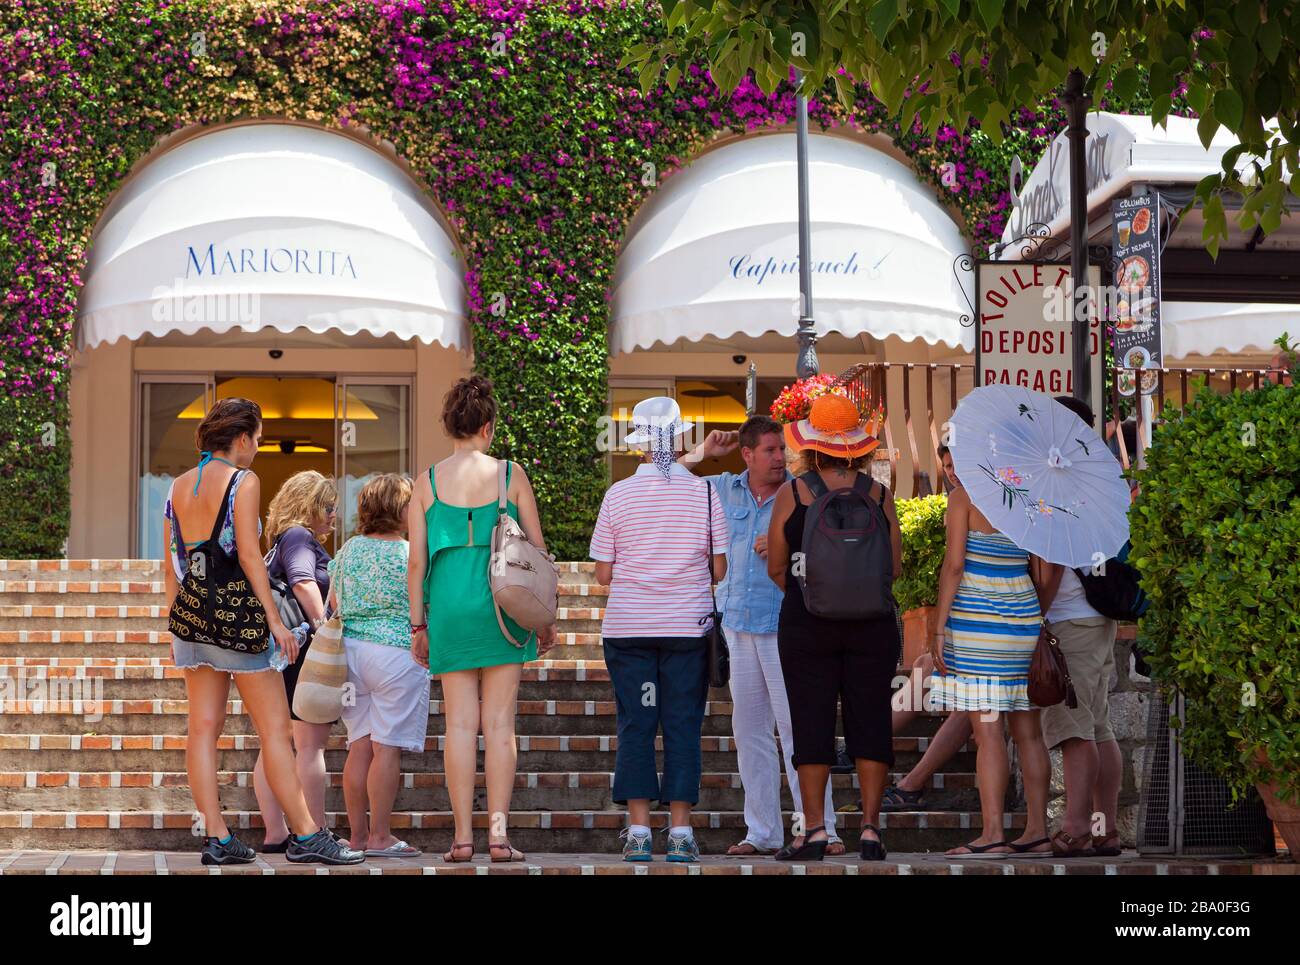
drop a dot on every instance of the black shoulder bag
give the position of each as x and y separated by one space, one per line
718 659
214 603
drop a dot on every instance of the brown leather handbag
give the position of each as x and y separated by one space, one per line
1049 677
524 578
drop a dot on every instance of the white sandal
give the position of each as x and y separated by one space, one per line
398 849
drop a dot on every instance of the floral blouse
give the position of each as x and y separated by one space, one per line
371 590
177 549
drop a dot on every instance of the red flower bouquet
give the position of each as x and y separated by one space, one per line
795 400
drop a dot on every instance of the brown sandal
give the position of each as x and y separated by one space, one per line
505 846
1107 845
450 856
1067 846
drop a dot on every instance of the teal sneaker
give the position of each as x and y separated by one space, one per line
636 847
683 848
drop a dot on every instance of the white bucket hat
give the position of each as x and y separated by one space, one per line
659 412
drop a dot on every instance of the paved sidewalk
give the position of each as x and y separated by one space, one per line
187 863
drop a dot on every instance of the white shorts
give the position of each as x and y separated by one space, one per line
392 695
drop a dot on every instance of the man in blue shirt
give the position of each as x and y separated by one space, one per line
751 603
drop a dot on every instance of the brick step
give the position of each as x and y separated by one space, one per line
97 616
580 571
166 682
142 615
148 752
96 862
161 668
534 791
135 683
81 592
544 831
76 643
159 716
100 665
81 569
156 715
571 573
153 593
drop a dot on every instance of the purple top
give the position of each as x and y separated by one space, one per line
299 557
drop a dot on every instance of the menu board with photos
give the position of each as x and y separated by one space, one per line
1135 224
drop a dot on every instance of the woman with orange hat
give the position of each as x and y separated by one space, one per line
834 547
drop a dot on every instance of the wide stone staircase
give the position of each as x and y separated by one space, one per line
93 721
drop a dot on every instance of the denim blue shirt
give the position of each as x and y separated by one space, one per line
748 598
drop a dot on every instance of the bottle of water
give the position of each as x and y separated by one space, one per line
279 659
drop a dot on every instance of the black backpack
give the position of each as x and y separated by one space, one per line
847 567
1115 592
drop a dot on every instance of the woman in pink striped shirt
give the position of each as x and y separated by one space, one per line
651 547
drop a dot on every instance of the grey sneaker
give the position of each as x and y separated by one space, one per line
683 848
323 847
233 851
636 847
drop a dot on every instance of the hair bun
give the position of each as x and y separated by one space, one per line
468 406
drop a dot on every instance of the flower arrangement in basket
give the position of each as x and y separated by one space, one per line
795 400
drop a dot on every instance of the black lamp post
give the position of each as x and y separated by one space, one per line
1077 103
806 365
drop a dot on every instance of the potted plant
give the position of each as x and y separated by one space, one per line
1214 531
917 590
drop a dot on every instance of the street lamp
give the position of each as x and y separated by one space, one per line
806 364
1077 102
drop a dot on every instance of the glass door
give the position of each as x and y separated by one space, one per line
373 437
171 407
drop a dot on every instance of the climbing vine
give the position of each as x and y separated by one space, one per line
514 115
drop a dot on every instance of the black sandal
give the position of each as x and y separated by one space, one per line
896 799
872 850
808 851
981 850
1026 850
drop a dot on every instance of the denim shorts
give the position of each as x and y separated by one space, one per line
189 654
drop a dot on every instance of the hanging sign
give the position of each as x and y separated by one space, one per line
1023 323
1135 226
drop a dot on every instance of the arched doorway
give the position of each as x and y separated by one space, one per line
707 278
300 267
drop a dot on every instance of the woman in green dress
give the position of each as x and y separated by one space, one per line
454 629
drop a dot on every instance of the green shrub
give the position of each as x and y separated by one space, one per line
1215 534
921 521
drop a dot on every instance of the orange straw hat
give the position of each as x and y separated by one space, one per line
833 427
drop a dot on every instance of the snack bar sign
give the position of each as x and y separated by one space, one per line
1023 327
1136 236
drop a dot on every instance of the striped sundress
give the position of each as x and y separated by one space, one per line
991 631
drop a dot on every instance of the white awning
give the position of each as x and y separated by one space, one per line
1210 328
1121 150
715 251
278 226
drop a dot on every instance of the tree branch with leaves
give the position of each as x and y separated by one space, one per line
953 61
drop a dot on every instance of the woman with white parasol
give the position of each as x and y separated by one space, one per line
1036 488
